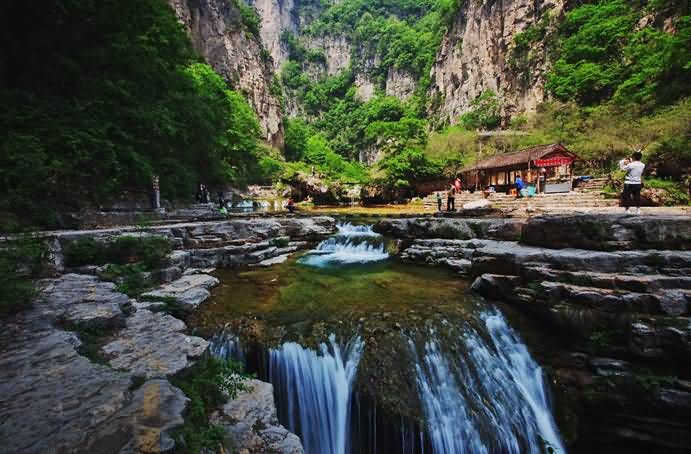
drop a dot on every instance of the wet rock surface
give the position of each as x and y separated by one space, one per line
158 352
251 424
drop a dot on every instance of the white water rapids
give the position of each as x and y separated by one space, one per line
315 389
351 244
479 389
488 398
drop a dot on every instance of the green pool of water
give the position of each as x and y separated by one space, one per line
296 294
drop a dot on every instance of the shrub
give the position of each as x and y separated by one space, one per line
208 384
20 260
131 279
674 190
85 251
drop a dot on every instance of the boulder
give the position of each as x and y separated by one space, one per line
189 291
450 228
477 204
496 286
153 345
251 424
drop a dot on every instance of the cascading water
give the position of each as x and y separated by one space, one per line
315 391
489 399
226 345
351 244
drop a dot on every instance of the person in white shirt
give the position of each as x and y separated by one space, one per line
632 182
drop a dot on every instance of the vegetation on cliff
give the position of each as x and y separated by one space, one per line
99 97
619 77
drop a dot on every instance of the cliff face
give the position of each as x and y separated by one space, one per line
476 55
219 36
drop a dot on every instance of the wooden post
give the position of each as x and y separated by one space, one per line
570 177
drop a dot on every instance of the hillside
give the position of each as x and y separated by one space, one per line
380 92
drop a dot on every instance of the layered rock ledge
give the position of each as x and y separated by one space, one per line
62 393
616 292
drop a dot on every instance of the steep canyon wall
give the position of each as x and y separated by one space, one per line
218 34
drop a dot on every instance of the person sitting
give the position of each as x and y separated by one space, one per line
520 186
489 190
290 205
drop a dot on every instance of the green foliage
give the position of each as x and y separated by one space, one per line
101 96
603 54
675 192
20 259
297 132
408 165
250 17
131 278
93 336
485 112
150 251
208 384
85 251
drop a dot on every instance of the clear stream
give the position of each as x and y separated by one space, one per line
473 381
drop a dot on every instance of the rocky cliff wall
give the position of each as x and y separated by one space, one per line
219 36
475 56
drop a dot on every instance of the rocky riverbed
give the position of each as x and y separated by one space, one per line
88 369
612 291
615 292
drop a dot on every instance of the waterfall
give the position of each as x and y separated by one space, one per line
351 244
314 391
226 345
245 204
489 398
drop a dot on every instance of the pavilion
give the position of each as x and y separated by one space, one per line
548 167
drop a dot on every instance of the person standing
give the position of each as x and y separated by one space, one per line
457 184
439 201
451 199
632 181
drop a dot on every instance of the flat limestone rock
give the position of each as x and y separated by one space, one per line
153 345
189 291
274 260
477 204
251 423
51 398
144 426
80 298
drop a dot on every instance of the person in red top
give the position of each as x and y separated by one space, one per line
290 205
457 184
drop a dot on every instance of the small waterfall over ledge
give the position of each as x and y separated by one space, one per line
315 392
351 244
490 398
